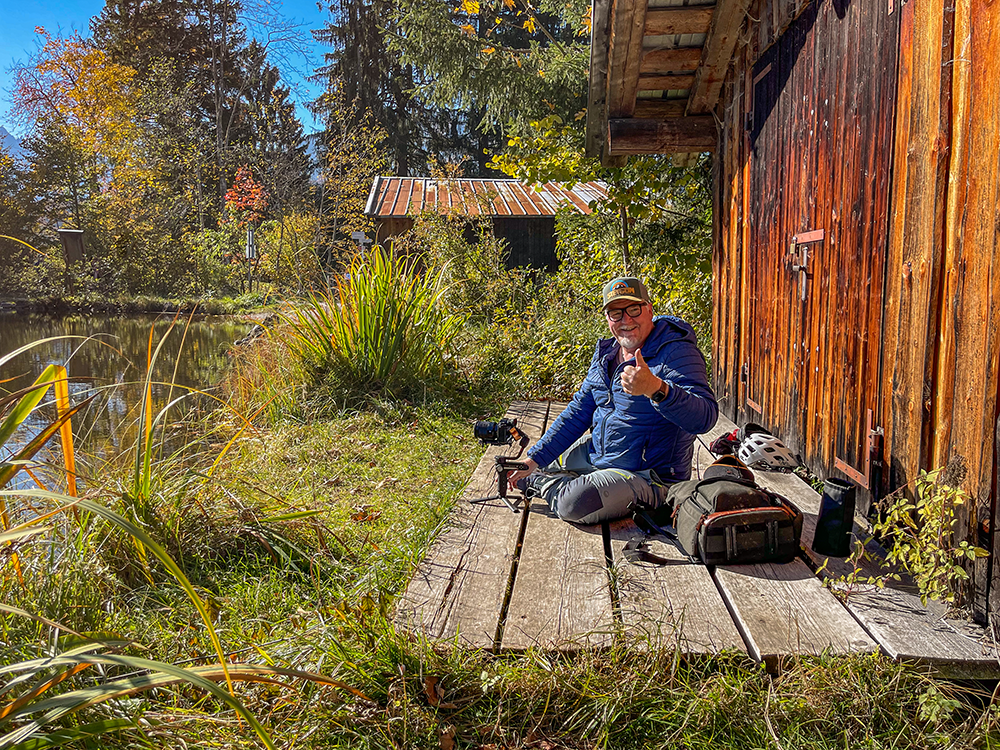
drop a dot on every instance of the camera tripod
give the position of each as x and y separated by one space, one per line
504 465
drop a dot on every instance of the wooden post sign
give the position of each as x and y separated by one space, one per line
72 244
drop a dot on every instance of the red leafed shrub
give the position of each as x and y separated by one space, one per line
246 200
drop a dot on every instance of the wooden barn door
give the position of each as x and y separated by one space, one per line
819 118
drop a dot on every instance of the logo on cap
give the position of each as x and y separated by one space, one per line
621 288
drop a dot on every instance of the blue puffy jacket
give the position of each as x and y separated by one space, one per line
631 432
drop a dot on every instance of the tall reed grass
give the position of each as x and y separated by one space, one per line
384 326
51 547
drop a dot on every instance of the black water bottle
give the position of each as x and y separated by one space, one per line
836 519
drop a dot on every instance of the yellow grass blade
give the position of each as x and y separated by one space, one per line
40 689
30 247
35 479
66 430
239 432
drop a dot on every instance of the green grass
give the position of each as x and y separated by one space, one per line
104 305
298 542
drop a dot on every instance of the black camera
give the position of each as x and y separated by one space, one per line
497 433
504 432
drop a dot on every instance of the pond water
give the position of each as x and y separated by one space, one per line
106 357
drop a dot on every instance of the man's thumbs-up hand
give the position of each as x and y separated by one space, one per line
638 379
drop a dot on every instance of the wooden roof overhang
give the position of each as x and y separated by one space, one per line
656 73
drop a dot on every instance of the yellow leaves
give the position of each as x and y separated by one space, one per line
509 4
77 88
470 7
587 23
468 29
489 50
530 25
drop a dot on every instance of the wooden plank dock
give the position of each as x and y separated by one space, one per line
498 580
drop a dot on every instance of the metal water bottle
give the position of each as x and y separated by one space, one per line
836 519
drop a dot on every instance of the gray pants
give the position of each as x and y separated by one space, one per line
576 491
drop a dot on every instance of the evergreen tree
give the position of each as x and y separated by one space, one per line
507 61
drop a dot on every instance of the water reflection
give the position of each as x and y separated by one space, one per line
107 357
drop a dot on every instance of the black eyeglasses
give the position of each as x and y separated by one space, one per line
633 312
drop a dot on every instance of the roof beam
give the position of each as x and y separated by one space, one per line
688 20
628 19
665 83
597 91
716 54
671 60
658 109
634 137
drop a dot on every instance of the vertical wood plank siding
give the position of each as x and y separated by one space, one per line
881 128
806 147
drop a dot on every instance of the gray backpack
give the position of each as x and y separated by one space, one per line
725 518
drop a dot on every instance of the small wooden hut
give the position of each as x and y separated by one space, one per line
857 206
523 216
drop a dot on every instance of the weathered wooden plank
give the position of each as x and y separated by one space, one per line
902 626
673 606
969 312
659 109
686 20
781 610
634 136
561 598
459 588
597 91
666 83
784 610
718 50
918 201
624 56
670 60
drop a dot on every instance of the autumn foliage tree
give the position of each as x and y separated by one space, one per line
246 200
76 88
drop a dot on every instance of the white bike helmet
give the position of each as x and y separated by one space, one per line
763 451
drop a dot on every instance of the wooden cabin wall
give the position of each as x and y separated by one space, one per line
935 333
530 241
943 287
806 148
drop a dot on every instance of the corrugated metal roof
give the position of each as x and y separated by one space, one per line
409 196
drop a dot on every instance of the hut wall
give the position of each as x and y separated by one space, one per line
390 227
942 337
805 155
532 242
877 123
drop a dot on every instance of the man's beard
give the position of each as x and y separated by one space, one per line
629 340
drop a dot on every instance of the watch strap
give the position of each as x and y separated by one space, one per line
661 392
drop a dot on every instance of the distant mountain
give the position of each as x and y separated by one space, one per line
10 144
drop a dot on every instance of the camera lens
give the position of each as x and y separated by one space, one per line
486 431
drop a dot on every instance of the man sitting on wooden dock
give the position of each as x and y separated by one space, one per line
644 399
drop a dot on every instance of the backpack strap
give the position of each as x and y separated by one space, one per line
637 550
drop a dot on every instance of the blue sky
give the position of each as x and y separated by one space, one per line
20 17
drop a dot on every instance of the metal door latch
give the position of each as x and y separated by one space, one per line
802 267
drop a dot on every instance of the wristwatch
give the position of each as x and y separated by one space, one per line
660 394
